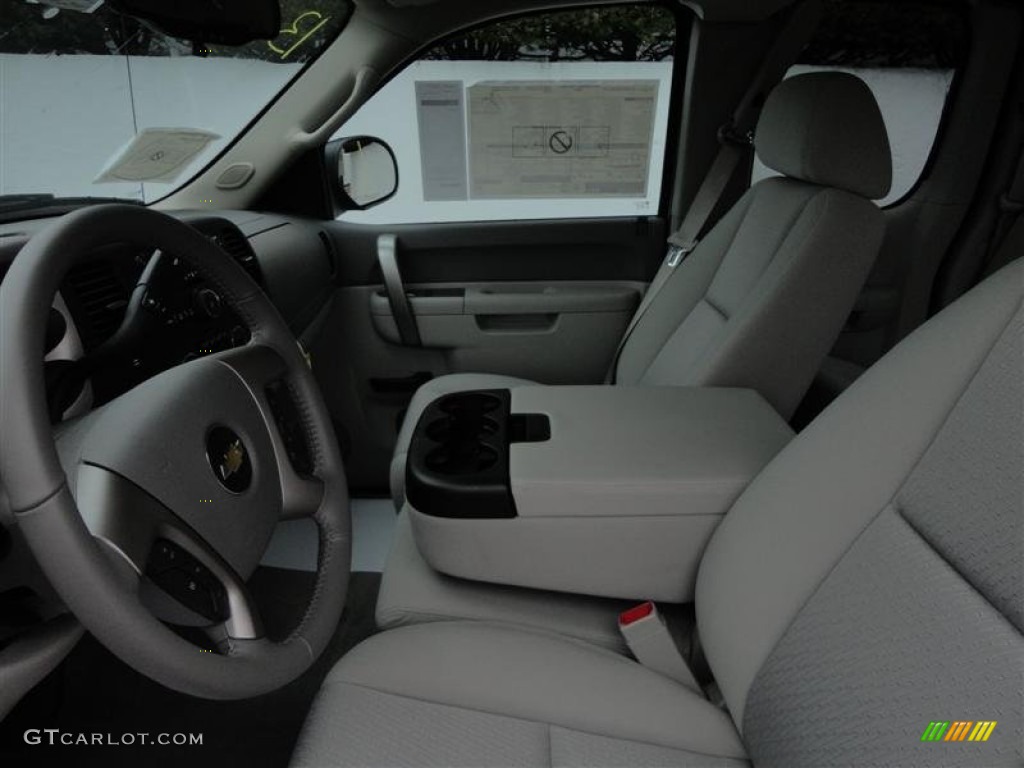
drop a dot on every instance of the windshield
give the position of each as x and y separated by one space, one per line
96 104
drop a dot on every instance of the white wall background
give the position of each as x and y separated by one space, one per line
63 118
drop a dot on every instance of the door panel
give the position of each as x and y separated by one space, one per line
558 332
624 248
474 312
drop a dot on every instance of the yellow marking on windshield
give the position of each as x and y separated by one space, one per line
295 30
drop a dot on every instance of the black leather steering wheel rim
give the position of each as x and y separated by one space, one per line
45 508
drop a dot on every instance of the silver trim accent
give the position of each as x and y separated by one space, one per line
129 521
401 309
70 348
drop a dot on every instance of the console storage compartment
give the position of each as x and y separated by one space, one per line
608 491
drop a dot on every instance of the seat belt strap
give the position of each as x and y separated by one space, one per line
1009 228
735 139
652 644
1010 247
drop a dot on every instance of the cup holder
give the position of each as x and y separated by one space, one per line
461 428
450 429
471 404
462 459
458 457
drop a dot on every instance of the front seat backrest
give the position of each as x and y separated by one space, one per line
762 299
871 579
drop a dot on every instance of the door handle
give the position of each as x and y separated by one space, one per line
401 309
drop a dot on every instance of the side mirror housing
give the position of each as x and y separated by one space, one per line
364 170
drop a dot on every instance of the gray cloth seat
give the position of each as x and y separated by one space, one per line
411 592
868 583
477 694
762 299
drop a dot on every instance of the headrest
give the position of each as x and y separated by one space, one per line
825 128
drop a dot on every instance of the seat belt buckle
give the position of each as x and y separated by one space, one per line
676 253
650 640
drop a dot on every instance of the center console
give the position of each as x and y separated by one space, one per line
608 491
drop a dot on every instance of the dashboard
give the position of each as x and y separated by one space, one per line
139 313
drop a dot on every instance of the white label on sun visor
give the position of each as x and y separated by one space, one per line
156 154
580 138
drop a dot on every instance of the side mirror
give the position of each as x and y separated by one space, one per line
365 169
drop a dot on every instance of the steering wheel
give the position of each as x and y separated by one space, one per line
174 488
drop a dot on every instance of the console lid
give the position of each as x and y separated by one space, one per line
616 496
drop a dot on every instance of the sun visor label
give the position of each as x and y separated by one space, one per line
156 155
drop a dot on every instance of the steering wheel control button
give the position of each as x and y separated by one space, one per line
289 426
183 577
210 302
229 459
163 557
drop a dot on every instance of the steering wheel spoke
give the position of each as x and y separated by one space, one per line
182 579
265 374
301 497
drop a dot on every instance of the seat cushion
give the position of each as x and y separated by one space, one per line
425 395
412 592
479 694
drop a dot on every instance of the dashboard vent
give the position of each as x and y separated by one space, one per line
237 246
98 300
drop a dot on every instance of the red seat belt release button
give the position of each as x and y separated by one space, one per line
636 613
651 642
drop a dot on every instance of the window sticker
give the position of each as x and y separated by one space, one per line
584 138
441 115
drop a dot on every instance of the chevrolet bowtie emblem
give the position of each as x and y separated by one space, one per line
233 459
228 459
